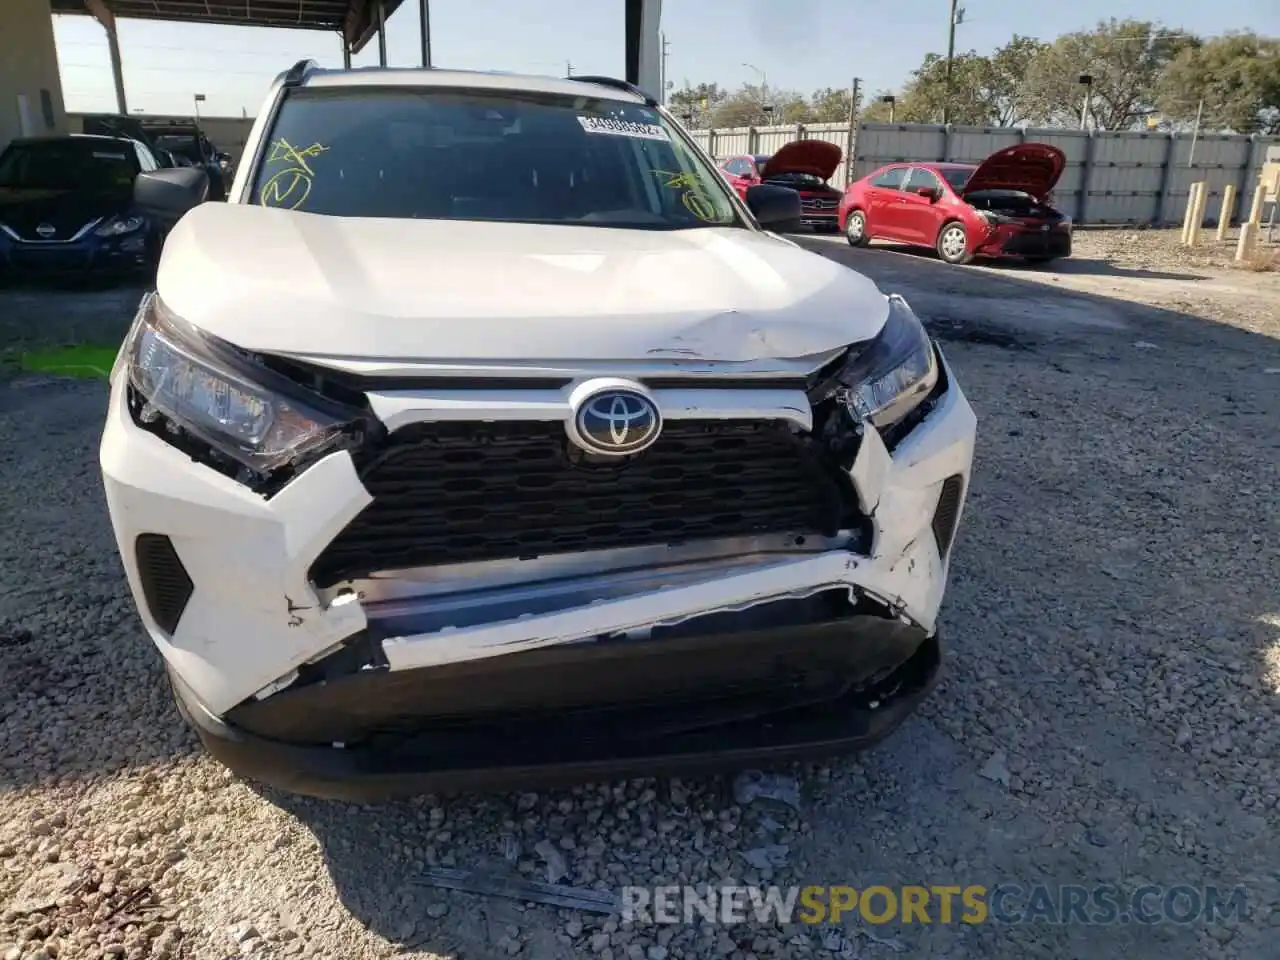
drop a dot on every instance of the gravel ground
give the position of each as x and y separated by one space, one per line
1108 715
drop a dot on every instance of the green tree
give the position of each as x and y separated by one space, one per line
1125 58
745 107
829 105
1003 80
696 102
1236 76
925 96
875 110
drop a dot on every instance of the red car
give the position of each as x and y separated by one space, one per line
805 166
998 208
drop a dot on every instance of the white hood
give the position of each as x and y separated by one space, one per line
279 281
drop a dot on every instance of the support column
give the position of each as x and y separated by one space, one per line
382 33
105 17
644 45
425 12
346 52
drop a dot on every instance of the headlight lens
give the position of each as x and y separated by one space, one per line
244 411
893 374
117 226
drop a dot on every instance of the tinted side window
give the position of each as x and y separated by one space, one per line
922 178
891 179
739 167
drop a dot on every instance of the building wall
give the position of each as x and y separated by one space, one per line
28 71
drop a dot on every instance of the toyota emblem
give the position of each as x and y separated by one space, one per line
616 423
46 230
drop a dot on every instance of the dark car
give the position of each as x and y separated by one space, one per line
804 166
67 208
998 208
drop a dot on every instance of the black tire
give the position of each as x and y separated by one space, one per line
855 229
949 251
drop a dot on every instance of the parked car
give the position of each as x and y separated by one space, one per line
803 165
67 208
486 436
180 143
998 208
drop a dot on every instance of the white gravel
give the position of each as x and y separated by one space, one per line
1109 712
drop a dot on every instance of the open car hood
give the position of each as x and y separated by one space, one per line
816 157
1033 168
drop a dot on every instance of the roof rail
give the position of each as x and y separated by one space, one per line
298 71
616 84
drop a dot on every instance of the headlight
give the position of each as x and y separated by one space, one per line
119 225
242 410
894 373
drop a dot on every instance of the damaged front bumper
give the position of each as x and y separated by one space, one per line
564 666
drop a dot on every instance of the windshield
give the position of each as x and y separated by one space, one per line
71 164
516 157
958 176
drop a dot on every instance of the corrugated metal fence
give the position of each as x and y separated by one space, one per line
1111 177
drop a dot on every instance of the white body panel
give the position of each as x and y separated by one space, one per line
418 297
254 617
439 290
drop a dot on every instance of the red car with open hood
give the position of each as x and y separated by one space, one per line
997 208
805 166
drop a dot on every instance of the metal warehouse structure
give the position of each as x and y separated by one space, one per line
356 21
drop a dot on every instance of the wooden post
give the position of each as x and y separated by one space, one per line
1225 211
1250 228
1197 214
1187 214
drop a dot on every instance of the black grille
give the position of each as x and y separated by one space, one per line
53 257
165 583
466 492
947 513
1050 243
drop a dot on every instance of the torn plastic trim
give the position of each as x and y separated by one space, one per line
664 606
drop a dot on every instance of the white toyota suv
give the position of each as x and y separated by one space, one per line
485 436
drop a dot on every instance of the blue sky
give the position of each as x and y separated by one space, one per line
799 44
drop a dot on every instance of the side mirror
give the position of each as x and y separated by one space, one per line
776 208
932 194
167 194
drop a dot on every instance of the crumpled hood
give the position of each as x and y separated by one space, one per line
279 281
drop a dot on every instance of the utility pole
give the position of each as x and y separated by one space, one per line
853 125
666 49
568 69
952 20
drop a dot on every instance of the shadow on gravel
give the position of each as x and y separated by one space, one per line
1108 714
1069 265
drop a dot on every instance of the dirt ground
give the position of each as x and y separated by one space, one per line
1108 717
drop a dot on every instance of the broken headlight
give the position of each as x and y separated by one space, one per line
204 387
893 374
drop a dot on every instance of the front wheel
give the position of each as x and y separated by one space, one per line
953 244
855 229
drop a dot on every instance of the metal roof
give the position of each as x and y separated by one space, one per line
356 20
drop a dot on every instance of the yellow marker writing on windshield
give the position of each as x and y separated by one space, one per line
692 197
290 187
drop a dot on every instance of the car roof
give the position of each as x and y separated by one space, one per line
55 137
464 79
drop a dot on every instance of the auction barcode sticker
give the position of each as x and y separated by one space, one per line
623 128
